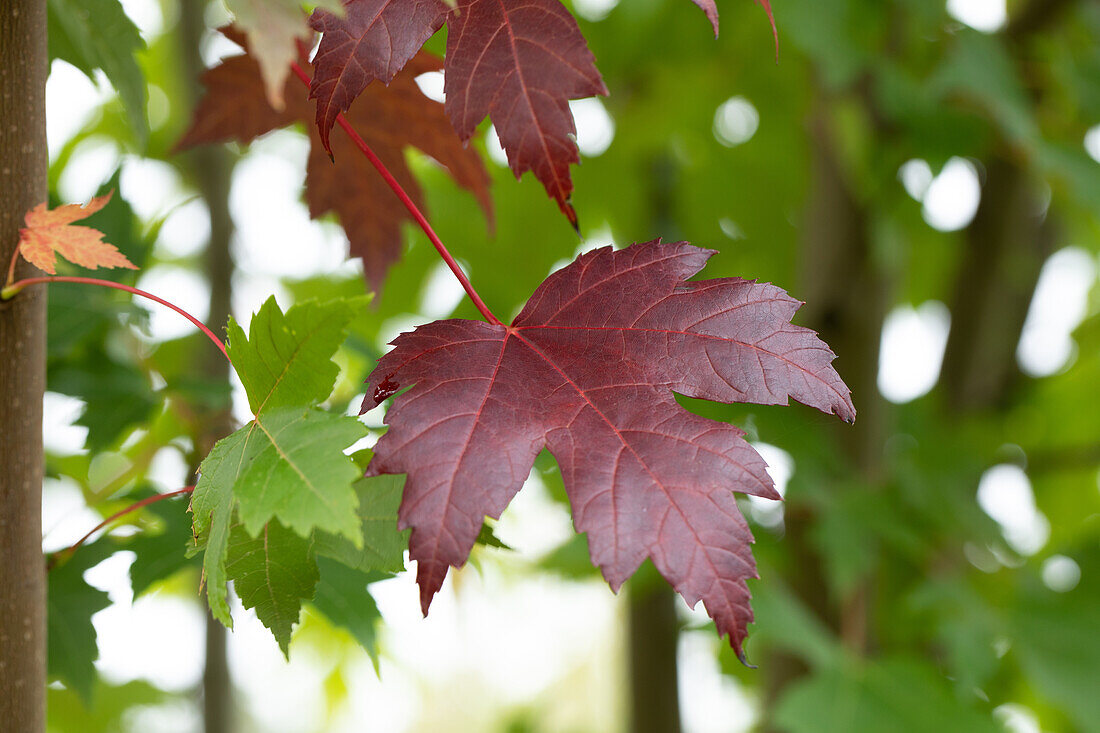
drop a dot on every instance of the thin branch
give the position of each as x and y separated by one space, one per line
410 205
10 291
68 551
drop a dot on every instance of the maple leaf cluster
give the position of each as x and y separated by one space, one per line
389 118
518 63
588 370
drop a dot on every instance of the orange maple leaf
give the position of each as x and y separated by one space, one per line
50 233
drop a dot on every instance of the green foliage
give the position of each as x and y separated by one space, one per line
97 34
272 572
383 545
289 462
286 360
70 605
86 356
1057 646
160 551
114 704
343 599
876 698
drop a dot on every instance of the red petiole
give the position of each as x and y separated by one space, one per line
9 292
11 267
410 205
132 508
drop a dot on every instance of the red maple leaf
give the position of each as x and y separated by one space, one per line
521 63
588 369
388 118
374 40
51 232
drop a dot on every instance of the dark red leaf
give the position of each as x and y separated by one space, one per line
388 118
374 40
588 369
521 63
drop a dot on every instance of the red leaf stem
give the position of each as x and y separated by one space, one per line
11 267
68 551
10 291
410 205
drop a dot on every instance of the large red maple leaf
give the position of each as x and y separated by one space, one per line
588 369
388 118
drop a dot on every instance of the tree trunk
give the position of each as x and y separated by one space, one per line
654 629
1006 244
846 295
654 632
210 168
24 64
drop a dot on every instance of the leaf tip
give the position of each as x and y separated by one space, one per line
571 215
741 657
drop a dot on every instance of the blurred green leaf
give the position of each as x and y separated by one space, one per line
343 598
70 605
97 34
1056 641
114 704
162 551
878 697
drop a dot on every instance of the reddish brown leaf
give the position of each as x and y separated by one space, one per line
588 369
388 118
374 40
521 63
51 232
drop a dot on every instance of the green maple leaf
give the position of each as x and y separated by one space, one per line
343 599
272 573
383 544
97 34
70 605
288 463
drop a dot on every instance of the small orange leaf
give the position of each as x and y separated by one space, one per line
50 233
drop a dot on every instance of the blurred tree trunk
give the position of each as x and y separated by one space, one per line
654 633
210 169
1006 244
24 65
846 296
654 629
